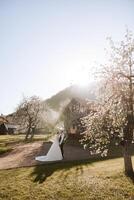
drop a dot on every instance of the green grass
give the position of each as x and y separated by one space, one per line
20 138
7 140
102 180
4 149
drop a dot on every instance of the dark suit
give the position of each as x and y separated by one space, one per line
62 139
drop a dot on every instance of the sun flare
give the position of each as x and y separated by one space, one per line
81 77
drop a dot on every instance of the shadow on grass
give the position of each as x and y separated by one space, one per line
45 170
130 176
42 172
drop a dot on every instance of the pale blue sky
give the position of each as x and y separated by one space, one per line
45 45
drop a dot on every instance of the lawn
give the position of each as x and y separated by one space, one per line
7 140
101 180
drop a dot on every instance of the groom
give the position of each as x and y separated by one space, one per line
62 139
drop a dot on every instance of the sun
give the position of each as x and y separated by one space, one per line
82 80
81 77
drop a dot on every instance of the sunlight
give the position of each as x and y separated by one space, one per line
81 77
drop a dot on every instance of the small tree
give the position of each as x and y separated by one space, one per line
113 119
28 115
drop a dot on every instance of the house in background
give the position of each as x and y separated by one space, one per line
6 127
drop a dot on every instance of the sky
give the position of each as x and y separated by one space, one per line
47 45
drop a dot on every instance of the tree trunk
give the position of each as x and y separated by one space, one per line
27 134
127 160
32 133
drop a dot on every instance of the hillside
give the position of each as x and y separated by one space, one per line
55 105
62 98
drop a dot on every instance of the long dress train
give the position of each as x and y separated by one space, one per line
54 153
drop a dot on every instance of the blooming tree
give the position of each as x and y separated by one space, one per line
113 118
28 115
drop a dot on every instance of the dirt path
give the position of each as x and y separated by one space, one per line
24 154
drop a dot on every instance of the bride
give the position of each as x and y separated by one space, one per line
54 153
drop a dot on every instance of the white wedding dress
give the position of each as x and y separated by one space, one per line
54 153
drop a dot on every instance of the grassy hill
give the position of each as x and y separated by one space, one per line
63 97
89 180
57 103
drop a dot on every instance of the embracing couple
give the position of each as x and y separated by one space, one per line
56 151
